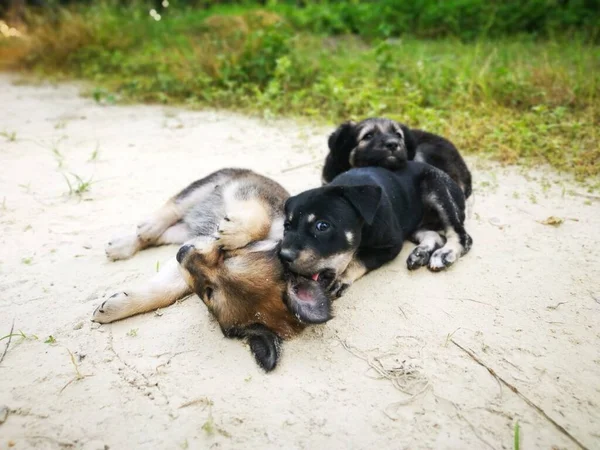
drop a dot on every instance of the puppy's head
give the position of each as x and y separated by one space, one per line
372 142
245 290
323 229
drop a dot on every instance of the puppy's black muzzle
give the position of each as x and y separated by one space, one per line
288 255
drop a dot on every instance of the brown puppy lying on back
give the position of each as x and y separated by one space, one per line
231 223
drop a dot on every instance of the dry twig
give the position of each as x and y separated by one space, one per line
560 428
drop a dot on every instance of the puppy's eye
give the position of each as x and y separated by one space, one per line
368 136
399 133
321 225
209 293
286 225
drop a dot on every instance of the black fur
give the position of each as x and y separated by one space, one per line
264 344
399 203
391 145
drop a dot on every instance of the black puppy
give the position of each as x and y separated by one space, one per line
337 233
385 143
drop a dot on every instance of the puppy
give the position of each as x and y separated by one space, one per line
230 225
360 220
385 143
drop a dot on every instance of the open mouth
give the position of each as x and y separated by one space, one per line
324 277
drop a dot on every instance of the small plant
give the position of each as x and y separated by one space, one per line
9 136
133 332
78 375
27 260
157 266
26 187
517 433
50 340
79 186
95 153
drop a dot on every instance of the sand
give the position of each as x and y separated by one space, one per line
525 301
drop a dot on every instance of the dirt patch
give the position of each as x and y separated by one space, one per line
384 373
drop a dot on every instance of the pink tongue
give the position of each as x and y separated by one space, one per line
315 277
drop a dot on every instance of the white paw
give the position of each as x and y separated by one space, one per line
122 247
150 230
442 258
116 307
232 233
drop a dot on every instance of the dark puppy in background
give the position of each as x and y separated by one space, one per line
381 142
231 224
337 233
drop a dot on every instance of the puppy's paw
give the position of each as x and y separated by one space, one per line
232 233
116 307
338 288
419 257
122 247
442 258
150 230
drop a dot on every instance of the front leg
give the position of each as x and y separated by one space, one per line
364 261
353 272
162 290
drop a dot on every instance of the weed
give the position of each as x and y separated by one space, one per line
133 332
518 99
78 375
95 153
79 187
27 260
157 266
517 435
9 136
533 198
50 340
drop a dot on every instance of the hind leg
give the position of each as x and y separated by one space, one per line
446 201
162 290
427 242
151 230
125 246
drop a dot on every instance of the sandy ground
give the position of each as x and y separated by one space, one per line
525 301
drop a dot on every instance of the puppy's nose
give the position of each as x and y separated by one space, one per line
184 250
392 144
288 254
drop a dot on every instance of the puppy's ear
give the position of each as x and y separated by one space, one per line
265 345
307 300
341 142
342 138
365 200
409 141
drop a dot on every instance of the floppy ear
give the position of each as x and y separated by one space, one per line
265 345
342 138
307 300
341 142
365 200
409 141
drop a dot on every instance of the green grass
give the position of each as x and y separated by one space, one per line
516 100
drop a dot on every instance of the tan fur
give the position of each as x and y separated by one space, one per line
309 262
353 272
245 221
247 288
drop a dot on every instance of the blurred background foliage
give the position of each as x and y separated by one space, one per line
516 80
